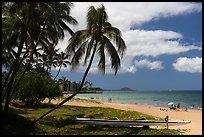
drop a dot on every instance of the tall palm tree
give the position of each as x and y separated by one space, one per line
63 81
49 57
15 24
62 61
86 84
96 38
33 24
90 84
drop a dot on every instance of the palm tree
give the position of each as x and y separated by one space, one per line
14 29
69 85
90 85
62 61
86 85
32 24
63 81
49 57
95 38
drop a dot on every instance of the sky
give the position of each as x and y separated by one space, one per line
164 46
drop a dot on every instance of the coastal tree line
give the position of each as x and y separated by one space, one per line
31 32
67 85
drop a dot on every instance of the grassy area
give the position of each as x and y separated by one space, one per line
62 121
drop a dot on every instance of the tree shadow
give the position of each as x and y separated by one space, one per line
60 122
14 124
111 130
42 105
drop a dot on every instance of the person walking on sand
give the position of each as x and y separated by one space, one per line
178 106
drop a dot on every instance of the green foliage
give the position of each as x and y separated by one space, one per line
35 87
99 35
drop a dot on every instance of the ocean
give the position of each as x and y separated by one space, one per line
186 99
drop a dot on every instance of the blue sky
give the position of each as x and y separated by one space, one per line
164 46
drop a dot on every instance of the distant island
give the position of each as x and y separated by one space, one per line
121 89
126 89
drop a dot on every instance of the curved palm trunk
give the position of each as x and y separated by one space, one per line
17 83
10 71
13 71
4 85
58 72
70 97
8 90
11 90
7 77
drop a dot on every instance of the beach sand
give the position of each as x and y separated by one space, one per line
194 115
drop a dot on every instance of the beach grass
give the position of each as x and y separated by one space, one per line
62 121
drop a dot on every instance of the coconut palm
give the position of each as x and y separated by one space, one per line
96 38
14 29
32 24
62 61
90 84
49 57
86 84
64 82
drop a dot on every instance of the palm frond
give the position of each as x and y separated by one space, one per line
101 63
78 54
100 33
91 15
120 43
88 50
76 40
115 59
101 16
115 34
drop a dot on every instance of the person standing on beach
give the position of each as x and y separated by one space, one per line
178 106
167 120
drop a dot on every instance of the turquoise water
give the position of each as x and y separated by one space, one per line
158 98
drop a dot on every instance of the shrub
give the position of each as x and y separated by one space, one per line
35 87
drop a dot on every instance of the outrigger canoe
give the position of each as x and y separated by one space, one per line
131 122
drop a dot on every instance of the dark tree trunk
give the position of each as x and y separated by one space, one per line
11 91
69 83
8 90
58 72
17 83
70 97
10 73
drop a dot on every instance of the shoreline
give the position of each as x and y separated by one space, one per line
127 102
156 105
160 104
192 114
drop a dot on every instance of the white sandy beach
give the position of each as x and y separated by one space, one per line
194 115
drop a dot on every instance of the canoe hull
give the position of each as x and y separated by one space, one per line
130 122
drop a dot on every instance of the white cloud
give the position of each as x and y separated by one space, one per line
139 42
184 64
157 65
155 43
151 43
124 14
